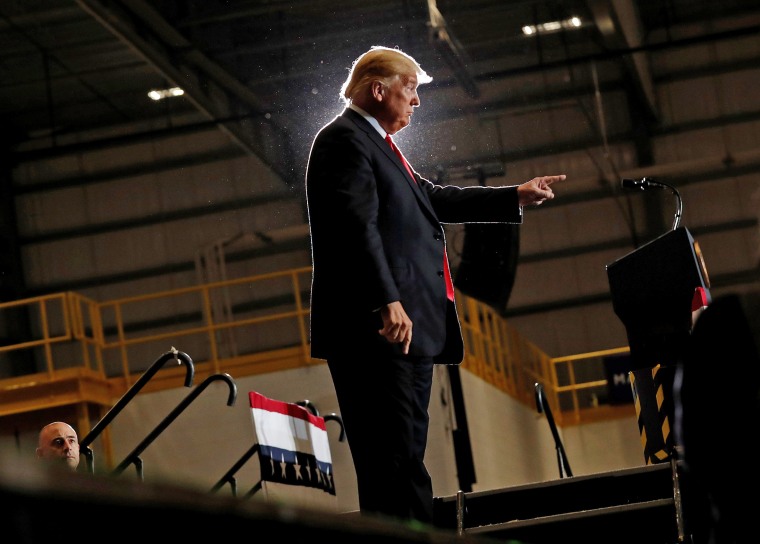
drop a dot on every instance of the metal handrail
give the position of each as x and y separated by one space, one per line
542 405
494 350
84 444
134 455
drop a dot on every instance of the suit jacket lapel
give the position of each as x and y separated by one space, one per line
373 135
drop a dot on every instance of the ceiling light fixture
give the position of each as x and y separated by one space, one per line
553 26
160 94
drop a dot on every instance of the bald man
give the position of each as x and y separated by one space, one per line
58 442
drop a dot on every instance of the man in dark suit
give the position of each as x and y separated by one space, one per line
382 301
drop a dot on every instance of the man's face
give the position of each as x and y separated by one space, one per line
397 103
58 441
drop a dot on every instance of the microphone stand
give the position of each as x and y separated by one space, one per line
647 183
679 205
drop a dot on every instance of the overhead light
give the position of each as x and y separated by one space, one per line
553 26
160 94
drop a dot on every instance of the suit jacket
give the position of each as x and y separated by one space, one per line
377 237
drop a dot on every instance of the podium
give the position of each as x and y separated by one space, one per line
652 292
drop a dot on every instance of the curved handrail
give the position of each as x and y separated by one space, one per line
134 455
179 356
335 417
229 476
543 406
306 403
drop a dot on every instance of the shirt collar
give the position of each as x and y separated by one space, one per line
372 121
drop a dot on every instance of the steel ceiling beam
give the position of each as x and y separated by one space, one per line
209 87
619 25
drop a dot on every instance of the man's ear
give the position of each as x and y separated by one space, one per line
378 90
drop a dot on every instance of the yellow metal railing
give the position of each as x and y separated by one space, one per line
496 352
216 318
232 322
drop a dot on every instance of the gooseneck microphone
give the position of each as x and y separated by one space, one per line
648 183
643 183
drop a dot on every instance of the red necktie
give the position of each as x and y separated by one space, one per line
446 270
397 151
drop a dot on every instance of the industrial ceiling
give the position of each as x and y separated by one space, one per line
266 72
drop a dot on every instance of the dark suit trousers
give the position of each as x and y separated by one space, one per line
384 402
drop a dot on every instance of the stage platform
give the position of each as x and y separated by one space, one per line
631 506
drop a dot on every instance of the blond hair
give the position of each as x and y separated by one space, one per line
380 64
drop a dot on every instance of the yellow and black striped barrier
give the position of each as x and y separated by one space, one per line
653 399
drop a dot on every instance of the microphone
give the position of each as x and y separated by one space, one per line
643 183
646 183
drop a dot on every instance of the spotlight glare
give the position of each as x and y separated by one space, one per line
160 94
553 26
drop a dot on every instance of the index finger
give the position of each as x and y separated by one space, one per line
551 179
